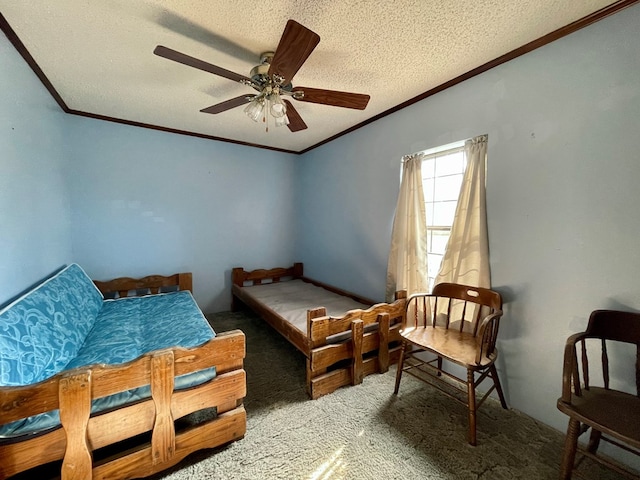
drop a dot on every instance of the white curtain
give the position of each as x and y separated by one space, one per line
407 266
466 258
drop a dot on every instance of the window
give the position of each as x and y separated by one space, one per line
442 173
455 244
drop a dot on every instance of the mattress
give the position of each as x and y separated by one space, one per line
292 299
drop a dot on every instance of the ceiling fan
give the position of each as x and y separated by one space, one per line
272 80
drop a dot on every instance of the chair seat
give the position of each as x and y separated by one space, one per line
458 347
610 411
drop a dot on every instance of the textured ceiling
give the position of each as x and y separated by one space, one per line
98 55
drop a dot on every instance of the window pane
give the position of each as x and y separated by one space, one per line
433 264
428 168
439 240
428 206
443 212
448 188
428 187
448 164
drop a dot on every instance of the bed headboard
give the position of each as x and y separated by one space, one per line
151 284
242 277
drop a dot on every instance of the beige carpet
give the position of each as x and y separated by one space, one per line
365 432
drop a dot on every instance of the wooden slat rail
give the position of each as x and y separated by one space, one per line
383 342
75 408
163 438
327 355
227 427
365 351
241 277
357 329
73 391
153 284
324 327
330 381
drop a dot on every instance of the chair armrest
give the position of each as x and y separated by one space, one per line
570 374
488 334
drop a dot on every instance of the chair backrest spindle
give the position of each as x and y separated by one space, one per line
425 313
585 367
435 309
605 364
463 316
638 370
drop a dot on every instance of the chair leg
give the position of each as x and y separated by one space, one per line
570 448
471 390
594 440
400 364
496 382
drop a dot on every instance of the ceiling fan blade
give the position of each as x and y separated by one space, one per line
295 120
228 104
357 101
296 44
199 64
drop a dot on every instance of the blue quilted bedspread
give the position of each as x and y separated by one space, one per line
66 324
129 327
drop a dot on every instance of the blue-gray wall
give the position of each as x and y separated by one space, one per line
150 202
35 211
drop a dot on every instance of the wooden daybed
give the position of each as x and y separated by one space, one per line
138 438
343 336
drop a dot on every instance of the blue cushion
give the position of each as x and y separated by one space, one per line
129 327
44 329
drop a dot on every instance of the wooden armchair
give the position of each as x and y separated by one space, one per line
606 411
457 323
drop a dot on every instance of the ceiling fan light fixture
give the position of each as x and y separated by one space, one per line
255 109
278 108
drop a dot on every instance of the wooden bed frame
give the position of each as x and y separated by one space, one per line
139 439
330 365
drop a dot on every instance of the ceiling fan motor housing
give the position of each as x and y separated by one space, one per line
260 73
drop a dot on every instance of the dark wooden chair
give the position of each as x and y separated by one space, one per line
457 323
606 411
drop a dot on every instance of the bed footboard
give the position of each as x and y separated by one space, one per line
161 440
343 350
